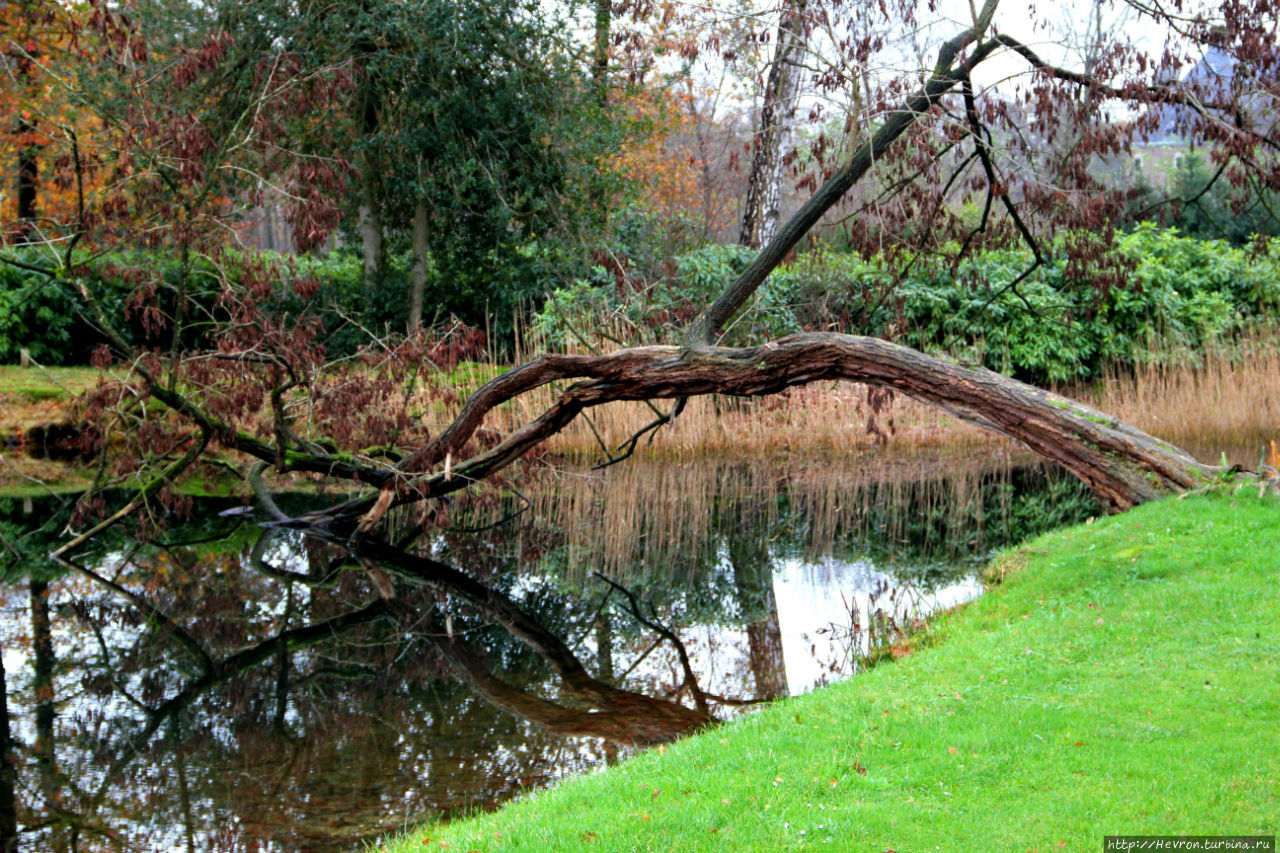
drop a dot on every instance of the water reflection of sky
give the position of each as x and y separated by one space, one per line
824 610
818 604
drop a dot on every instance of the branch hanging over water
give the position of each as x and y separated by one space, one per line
1122 464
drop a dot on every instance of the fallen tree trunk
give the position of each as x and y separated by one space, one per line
1122 464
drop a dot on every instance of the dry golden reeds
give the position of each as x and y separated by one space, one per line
1228 403
673 516
823 416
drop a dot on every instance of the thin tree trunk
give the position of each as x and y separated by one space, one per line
369 220
42 684
600 60
282 665
604 647
28 164
28 177
600 79
948 72
8 804
764 183
369 224
418 275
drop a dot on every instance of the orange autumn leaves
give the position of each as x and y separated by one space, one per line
675 159
89 108
42 128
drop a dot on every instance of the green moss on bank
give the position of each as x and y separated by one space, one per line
1122 677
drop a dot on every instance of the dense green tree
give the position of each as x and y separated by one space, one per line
487 146
469 134
1214 206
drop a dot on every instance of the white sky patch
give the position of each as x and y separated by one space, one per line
813 596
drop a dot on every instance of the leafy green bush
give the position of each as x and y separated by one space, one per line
660 310
35 315
1061 324
1154 295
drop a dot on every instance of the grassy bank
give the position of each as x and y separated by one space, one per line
1122 677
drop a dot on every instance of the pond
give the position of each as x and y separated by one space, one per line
212 688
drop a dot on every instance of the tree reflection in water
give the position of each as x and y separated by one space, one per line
226 687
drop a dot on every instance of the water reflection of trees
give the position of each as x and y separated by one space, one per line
673 520
212 686
281 706
176 662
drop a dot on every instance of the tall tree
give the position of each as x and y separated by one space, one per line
30 42
488 146
761 208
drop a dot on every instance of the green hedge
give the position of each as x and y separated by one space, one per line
1176 295
1064 323
48 318
1155 294
36 315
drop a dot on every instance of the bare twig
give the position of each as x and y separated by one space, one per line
690 680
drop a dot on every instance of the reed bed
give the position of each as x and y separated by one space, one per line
1229 400
826 416
674 516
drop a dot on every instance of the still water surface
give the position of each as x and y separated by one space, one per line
275 701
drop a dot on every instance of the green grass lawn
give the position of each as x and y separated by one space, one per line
1124 678
30 396
46 383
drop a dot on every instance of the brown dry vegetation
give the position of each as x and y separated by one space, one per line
827 417
658 512
1233 395
1229 403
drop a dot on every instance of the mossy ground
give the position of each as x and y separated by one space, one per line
1122 678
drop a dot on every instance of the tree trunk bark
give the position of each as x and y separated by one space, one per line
604 647
28 154
28 176
947 74
8 804
369 225
418 275
600 58
764 183
1122 464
